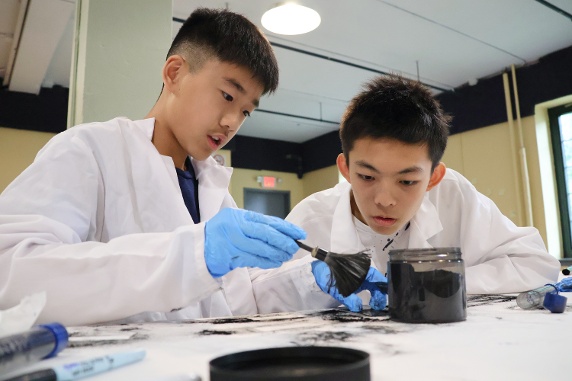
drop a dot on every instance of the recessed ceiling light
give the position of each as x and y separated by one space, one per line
290 19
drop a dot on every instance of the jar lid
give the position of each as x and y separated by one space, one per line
61 337
292 363
425 254
554 302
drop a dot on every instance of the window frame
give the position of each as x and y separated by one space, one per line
558 156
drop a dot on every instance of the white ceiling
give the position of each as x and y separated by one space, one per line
444 43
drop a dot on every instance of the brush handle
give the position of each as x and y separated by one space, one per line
382 286
304 246
315 251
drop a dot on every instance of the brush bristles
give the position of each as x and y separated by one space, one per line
348 271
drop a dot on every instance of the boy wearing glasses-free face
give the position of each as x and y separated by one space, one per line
132 220
400 195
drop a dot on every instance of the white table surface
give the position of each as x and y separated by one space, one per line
498 341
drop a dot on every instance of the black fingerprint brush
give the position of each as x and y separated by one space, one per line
347 271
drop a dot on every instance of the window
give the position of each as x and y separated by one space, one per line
561 134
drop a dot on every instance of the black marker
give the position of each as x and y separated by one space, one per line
566 271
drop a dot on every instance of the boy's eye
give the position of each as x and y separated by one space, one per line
228 97
365 177
246 113
408 182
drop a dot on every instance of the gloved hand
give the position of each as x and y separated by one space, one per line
565 285
240 238
353 302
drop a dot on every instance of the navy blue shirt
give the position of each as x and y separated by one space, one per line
190 190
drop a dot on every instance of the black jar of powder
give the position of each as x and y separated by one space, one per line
427 285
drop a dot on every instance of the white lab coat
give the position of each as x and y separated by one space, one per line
72 225
499 256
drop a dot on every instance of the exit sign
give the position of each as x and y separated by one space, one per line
268 182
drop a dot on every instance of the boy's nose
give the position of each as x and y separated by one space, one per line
232 121
383 197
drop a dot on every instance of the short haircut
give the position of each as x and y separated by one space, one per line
394 107
228 37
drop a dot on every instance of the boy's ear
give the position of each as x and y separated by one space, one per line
437 175
343 166
172 71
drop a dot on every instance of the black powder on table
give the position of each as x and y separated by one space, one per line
486 299
101 340
210 332
344 316
315 338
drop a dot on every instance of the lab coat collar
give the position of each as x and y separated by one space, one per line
148 126
424 225
344 237
214 179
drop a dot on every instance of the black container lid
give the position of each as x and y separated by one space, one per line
292 363
425 254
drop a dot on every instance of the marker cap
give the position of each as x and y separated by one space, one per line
61 337
554 302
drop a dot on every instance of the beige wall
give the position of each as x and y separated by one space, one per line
488 157
320 179
17 150
485 158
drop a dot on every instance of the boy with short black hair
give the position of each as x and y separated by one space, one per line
399 195
109 219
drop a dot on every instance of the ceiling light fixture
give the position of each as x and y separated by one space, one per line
290 19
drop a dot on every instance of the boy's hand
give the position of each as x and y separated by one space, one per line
239 238
353 302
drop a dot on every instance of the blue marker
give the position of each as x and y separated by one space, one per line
75 371
37 343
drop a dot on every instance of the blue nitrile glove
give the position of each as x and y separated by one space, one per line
565 285
240 238
353 302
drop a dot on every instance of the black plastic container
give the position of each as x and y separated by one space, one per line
427 285
292 363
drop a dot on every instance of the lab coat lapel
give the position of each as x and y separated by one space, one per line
424 225
344 237
153 175
214 180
